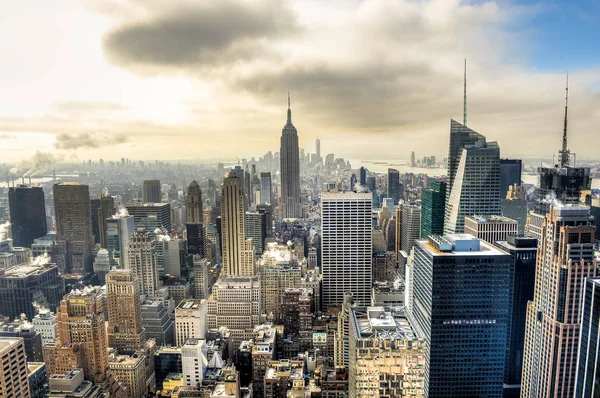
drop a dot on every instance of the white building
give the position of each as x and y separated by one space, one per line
190 320
347 241
45 324
193 361
142 260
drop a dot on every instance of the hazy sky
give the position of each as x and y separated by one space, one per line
198 79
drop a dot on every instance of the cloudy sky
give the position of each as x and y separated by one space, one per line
193 79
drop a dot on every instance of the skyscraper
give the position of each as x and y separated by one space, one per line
433 206
515 206
523 251
13 369
510 174
475 185
490 228
565 258
193 361
141 259
346 246
290 169
411 226
27 214
238 252
256 229
363 177
195 227
150 216
394 185
125 331
460 136
588 373
318 149
460 297
74 239
101 209
266 190
151 191
119 229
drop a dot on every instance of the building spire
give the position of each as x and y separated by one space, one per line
289 111
465 96
564 153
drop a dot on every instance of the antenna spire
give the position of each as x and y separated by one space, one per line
289 111
564 153
465 96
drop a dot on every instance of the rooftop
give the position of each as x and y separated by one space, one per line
490 219
190 304
459 245
382 322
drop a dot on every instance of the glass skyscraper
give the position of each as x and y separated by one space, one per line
588 373
510 174
433 202
27 214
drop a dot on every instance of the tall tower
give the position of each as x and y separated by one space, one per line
565 258
195 226
27 214
433 202
347 247
74 238
106 210
460 136
266 190
151 191
475 181
141 259
119 229
125 331
237 261
394 185
318 149
290 169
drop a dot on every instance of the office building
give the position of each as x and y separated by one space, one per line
32 339
433 202
101 265
411 226
238 252
235 304
142 259
267 212
74 239
38 379
346 246
588 373
290 169
158 322
263 353
460 136
119 229
514 206
174 256
82 338
362 177
151 191
27 214
45 323
278 269
565 258
394 188
130 371
256 229
510 174
460 296
13 372
195 223
125 331
193 361
475 187
490 228
523 252
386 357
166 360
266 189
23 286
151 216
190 320
107 209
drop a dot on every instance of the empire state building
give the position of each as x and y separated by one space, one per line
290 169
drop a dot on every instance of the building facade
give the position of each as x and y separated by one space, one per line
290 169
27 214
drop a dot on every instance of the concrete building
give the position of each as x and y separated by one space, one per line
474 171
149 217
238 252
193 361
45 324
460 296
125 331
74 240
190 320
411 226
491 228
151 192
13 369
256 229
158 322
346 246
266 189
565 258
142 260
27 214
32 339
387 357
101 265
263 352
290 169
130 370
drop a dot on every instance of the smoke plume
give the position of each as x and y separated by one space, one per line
38 164
42 259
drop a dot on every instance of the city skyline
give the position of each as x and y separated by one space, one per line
154 87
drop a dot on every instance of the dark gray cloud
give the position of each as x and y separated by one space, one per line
199 34
87 140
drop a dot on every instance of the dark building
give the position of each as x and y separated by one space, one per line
31 338
107 209
523 251
372 185
363 177
150 216
433 202
587 382
459 303
510 174
27 214
394 186
166 360
290 169
94 211
22 287
196 235
151 191
460 136
38 379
